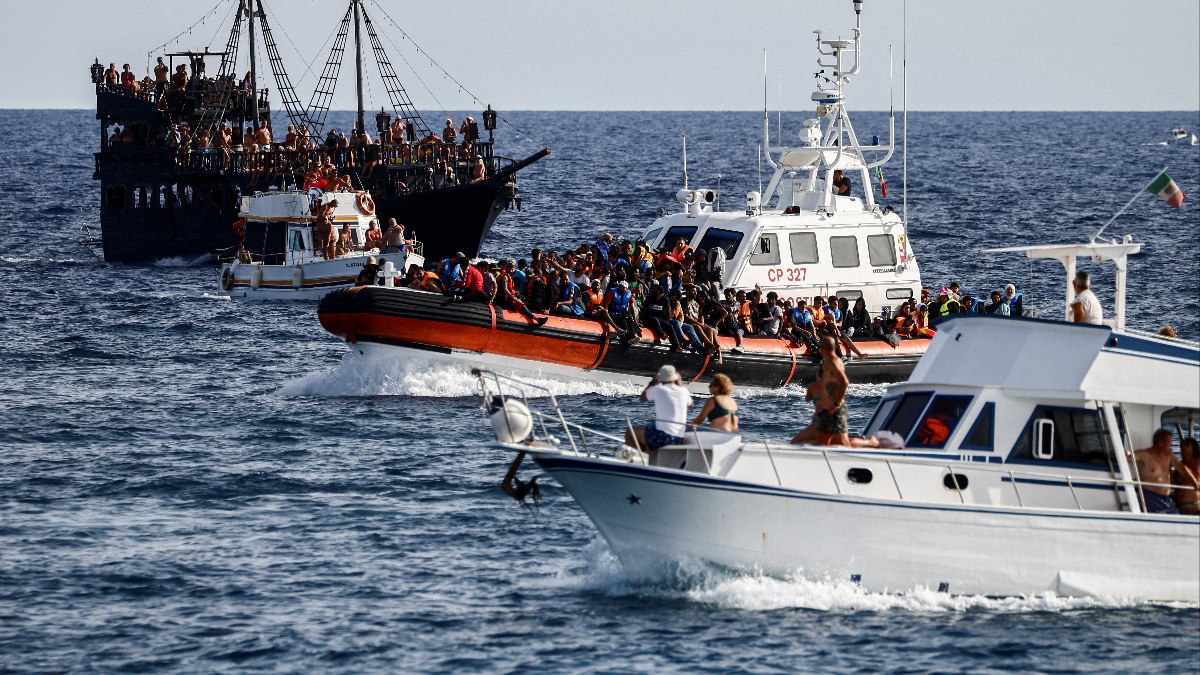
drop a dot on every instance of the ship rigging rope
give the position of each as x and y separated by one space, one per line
316 55
188 30
447 75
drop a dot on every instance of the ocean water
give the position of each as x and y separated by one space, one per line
193 484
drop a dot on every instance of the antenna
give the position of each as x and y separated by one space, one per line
760 168
904 102
779 108
685 161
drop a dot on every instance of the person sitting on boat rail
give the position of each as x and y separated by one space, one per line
469 285
567 300
618 303
1086 308
671 401
593 308
1154 466
1188 499
506 293
720 410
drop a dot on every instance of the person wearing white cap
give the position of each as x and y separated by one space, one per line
671 401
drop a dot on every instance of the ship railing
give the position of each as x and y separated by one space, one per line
1159 336
954 473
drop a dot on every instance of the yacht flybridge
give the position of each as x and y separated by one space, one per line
803 236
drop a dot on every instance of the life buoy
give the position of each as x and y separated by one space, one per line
227 279
365 203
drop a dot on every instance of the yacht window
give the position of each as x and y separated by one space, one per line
726 239
939 422
900 293
767 251
297 241
1070 435
907 413
677 231
881 414
981 436
844 251
881 250
804 248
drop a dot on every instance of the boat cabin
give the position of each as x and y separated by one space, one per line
280 227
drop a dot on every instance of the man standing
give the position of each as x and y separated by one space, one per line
161 73
1086 308
671 401
1154 466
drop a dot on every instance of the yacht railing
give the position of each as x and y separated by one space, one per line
1163 338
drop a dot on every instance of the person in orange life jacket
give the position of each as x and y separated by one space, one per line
469 285
593 307
423 279
656 315
567 297
681 249
506 292
920 326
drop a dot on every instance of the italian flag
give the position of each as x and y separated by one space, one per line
1166 189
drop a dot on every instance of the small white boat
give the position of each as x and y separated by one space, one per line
1179 134
294 269
1029 487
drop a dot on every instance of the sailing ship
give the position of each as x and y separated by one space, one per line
160 198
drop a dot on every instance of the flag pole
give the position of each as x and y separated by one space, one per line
1127 205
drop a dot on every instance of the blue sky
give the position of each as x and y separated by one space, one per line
647 55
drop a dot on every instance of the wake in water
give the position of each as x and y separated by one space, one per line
704 584
428 376
178 261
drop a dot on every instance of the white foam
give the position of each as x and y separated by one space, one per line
215 296
427 376
703 584
179 261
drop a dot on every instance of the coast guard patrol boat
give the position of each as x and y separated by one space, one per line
1015 472
799 237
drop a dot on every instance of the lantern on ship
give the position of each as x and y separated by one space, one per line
97 72
489 121
383 124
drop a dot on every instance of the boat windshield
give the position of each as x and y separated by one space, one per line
728 240
675 232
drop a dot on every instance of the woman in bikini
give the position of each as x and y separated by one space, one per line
720 411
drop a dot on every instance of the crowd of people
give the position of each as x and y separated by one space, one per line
675 295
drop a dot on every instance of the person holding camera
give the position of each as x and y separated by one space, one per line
671 401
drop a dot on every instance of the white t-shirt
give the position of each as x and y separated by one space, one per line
671 402
1091 306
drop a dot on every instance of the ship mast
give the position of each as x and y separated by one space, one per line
252 9
357 62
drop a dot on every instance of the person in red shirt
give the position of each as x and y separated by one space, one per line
469 285
507 294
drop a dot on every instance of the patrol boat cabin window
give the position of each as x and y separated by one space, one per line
767 252
844 251
939 422
728 240
675 232
881 250
1063 435
804 248
900 293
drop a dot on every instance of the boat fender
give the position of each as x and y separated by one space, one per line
297 277
365 203
227 279
511 420
256 277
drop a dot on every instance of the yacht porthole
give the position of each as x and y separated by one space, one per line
859 475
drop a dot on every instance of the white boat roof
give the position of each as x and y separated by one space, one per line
1055 360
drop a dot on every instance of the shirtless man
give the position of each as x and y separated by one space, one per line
393 239
831 423
1154 466
160 77
180 79
112 75
1186 499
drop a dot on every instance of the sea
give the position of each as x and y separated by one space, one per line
189 483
